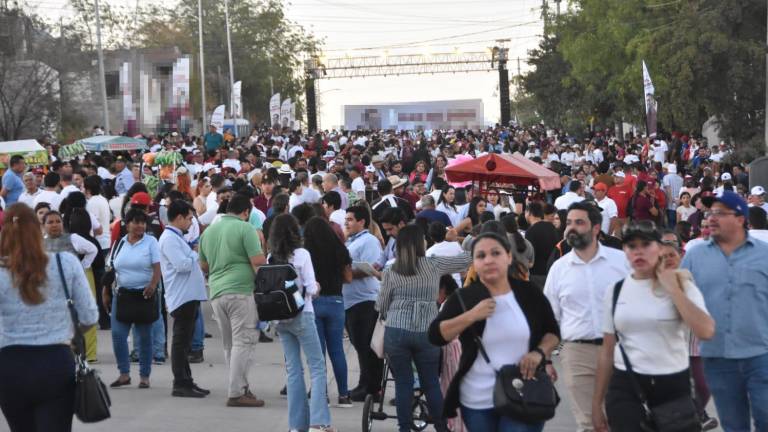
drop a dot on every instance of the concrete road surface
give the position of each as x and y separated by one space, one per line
154 410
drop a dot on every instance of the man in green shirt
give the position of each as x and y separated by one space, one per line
230 253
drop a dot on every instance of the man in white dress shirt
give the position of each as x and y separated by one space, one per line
575 194
575 287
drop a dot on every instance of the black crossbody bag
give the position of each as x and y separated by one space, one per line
528 401
92 400
677 415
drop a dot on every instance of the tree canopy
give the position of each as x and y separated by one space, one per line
706 59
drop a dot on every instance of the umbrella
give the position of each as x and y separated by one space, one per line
112 143
34 154
504 169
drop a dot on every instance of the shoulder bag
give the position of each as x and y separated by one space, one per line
528 401
676 415
92 400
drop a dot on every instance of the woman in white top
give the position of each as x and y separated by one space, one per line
446 204
300 333
655 308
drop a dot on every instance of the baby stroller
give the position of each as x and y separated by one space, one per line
374 410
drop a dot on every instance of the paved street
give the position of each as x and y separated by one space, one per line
154 410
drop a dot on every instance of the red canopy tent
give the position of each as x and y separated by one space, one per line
512 169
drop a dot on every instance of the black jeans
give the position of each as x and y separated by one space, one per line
37 387
622 405
183 329
360 322
98 273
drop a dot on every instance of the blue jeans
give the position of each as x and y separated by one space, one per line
404 348
671 218
487 420
738 387
296 335
157 335
329 319
199 335
120 332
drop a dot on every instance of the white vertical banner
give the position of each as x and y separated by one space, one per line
217 118
285 112
651 106
126 90
274 109
180 102
292 117
237 101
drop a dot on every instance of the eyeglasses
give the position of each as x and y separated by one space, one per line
718 213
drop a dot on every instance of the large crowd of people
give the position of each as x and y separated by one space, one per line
642 275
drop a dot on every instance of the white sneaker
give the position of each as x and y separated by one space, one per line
326 428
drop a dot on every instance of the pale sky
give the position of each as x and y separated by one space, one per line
352 27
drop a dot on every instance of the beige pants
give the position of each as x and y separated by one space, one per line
237 319
579 369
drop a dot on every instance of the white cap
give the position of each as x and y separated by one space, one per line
672 169
758 190
725 176
370 169
619 174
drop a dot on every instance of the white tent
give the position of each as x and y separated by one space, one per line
33 152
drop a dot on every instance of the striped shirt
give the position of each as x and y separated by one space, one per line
410 302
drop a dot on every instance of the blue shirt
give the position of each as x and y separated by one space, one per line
213 141
123 181
12 183
49 322
133 263
182 278
363 247
433 215
735 289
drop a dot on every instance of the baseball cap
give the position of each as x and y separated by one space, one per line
730 199
600 186
141 198
619 174
645 230
757 190
725 176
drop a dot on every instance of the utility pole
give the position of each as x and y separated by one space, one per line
102 79
231 70
202 62
501 54
271 82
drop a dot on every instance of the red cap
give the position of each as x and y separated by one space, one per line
601 186
141 198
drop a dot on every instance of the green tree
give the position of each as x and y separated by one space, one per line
264 43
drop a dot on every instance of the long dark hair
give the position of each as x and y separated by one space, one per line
284 237
473 215
410 247
325 247
442 197
79 222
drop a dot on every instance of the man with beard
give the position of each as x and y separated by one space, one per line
576 286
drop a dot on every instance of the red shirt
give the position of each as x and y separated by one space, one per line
621 194
262 203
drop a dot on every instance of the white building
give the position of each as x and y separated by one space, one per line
449 114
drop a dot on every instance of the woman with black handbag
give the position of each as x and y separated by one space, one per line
643 368
507 332
37 368
136 261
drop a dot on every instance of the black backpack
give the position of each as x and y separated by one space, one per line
277 293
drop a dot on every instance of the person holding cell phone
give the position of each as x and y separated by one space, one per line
646 318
